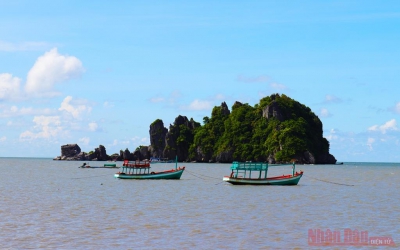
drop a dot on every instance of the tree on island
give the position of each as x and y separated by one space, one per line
277 129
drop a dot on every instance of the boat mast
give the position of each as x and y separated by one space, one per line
294 166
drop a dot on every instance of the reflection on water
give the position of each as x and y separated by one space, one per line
53 204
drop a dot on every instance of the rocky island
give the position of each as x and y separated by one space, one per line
277 129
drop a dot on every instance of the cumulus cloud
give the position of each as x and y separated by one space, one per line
324 113
93 126
332 135
46 127
197 105
9 86
50 69
370 141
75 108
14 111
115 142
389 125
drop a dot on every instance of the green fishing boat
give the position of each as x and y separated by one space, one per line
242 174
141 170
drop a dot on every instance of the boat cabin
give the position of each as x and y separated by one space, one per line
136 167
245 169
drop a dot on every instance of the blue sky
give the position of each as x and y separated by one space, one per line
100 72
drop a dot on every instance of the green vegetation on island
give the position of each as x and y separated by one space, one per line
277 129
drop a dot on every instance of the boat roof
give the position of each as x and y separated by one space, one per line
256 166
249 166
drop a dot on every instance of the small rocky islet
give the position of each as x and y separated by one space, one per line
278 129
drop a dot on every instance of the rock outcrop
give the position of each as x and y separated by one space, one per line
224 109
179 138
158 134
70 150
99 154
273 110
286 118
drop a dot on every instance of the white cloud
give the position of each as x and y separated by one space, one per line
199 105
324 113
14 111
135 139
75 108
125 142
49 69
9 86
370 141
84 140
170 100
332 135
390 125
2 139
397 108
332 99
24 46
220 97
93 126
138 139
108 104
277 86
46 126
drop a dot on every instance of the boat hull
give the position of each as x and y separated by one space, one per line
165 175
107 165
282 180
99 167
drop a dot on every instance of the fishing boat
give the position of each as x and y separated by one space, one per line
141 170
242 175
154 160
107 165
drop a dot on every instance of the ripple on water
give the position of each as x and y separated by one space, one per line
55 205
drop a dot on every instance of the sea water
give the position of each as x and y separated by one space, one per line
48 204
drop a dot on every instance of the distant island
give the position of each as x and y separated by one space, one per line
278 129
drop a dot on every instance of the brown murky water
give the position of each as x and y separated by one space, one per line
49 204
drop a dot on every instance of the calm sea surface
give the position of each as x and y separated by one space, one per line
48 204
